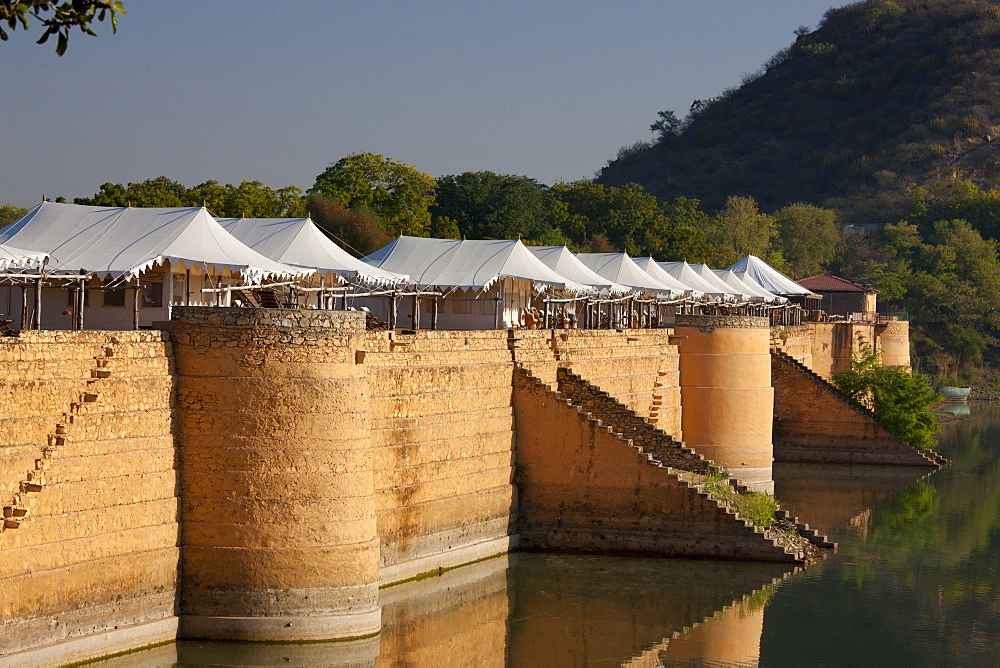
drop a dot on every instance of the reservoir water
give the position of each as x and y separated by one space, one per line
915 582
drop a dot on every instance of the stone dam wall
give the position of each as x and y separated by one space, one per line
90 543
261 475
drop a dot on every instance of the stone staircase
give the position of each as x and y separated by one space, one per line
601 406
664 452
18 511
932 457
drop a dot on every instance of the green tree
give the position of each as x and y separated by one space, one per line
251 199
359 232
9 213
57 18
443 227
808 238
628 218
900 400
960 199
157 192
667 125
399 194
486 205
739 229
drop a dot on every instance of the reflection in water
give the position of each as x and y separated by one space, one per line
915 583
955 408
920 586
830 497
602 611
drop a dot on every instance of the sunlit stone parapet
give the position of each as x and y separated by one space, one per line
727 401
279 537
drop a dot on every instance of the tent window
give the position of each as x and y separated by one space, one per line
152 291
461 304
114 297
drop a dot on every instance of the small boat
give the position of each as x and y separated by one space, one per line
954 393
955 408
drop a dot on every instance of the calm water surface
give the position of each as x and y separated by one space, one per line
914 583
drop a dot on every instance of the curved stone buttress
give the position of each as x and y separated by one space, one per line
279 540
727 401
893 341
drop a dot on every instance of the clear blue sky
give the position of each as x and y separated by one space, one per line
276 91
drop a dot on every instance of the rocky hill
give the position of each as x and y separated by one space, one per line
883 94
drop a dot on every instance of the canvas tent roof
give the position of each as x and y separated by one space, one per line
620 268
653 268
476 264
125 241
746 286
768 277
708 275
300 243
686 274
562 260
17 257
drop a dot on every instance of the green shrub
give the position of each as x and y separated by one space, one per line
757 507
900 399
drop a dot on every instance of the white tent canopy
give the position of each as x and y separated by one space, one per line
768 277
620 268
688 275
11 257
653 268
708 275
124 241
476 264
747 287
300 243
562 260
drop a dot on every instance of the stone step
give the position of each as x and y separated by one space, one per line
100 373
11 523
14 511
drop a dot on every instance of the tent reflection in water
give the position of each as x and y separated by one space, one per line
483 284
132 263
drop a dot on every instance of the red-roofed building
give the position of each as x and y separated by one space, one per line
841 296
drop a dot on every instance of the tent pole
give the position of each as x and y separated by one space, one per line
187 287
82 298
392 311
434 314
135 305
37 315
416 310
496 310
24 306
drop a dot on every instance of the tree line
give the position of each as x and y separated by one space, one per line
940 262
364 200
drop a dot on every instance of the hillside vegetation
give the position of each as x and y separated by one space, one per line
883 94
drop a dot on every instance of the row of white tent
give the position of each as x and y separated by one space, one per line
119 245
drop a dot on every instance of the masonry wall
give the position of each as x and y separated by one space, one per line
89 549
795 342
725 384
442 447
584 489
638 367
812 423
278 503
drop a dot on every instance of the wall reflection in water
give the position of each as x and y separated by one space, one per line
537 610
837 497
570 610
